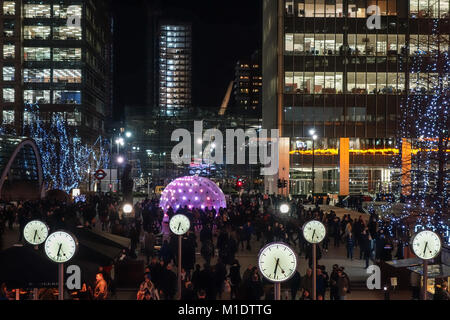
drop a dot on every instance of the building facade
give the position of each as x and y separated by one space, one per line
247 88
325 70
57 54
173 67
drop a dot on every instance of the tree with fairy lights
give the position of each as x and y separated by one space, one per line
66 161
424 134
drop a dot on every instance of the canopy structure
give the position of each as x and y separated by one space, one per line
192 192
20 168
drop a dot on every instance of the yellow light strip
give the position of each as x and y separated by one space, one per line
335 152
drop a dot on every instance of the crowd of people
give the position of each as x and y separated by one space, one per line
218 235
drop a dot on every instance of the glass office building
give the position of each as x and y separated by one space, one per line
57 54
324 69
175 68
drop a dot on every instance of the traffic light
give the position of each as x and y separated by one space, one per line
284 183
280 184
239 184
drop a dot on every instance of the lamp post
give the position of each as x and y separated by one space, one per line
313 135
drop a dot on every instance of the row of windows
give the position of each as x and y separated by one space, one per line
59 75
331 114
43 96
73 118
59 54
44 11
358 9
59 33
43 54
326 8
363 44
359 83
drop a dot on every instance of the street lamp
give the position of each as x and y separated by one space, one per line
313 135
127 209
120 160
285 208
128 134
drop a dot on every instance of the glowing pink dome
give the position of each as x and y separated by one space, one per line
193 192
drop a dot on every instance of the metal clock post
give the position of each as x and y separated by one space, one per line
281 257
426 245
179 225
67 243
314 232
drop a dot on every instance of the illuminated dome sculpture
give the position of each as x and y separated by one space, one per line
193 192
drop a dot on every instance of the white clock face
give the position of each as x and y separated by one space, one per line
277 262
61 246
426 245
314 231
180 224
35 232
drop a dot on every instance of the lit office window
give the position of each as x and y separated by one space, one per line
67 33
314 44
313 83
373 83
429 9
8 51
67 75
421 44
9 8
36 75
66 54
66 97
8 73
8 28
8 117
8 95
36 54
37 11
36 32
63 11
36 96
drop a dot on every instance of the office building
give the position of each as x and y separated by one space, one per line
248 87
57 54
325 70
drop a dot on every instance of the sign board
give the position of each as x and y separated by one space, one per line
100 174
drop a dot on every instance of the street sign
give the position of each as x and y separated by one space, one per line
100 174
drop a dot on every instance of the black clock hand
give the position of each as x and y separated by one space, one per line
59 249
276 267
179 225
426 245
35 233
313 234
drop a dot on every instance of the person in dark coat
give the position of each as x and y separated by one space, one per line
207 251
235 278
295 284
255 288
196 278
165 253
333 283
220 274
188 256
206 282
168 283
187 293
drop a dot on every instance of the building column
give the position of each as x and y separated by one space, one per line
284 163
271 182
344 166
406 167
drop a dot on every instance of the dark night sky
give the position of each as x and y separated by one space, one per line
223 33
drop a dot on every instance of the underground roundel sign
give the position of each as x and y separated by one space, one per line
100 174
